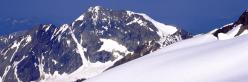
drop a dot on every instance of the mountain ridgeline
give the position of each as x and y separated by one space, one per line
238 28
98 40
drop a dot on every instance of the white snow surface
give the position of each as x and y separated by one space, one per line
114 47
162 28
111 45
200 59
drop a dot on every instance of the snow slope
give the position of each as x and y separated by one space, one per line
162 28
200 59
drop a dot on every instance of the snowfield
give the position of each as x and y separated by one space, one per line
200 59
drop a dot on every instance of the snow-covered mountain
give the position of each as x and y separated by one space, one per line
238 28
96 41
203 58
218 56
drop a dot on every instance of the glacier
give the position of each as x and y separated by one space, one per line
202 58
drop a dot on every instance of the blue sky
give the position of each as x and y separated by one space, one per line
196 16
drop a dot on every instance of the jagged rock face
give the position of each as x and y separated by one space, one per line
26 53
113 25
243 19
99 39
237 28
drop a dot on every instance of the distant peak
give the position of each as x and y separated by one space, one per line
243 19
95 9
91 9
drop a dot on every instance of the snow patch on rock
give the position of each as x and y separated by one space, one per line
80 18
111 45
244 32
162 28
230 34
47 27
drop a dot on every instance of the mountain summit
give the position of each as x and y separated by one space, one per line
96 41
218 56
240 27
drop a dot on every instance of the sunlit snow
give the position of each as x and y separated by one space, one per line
200 59
111 45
